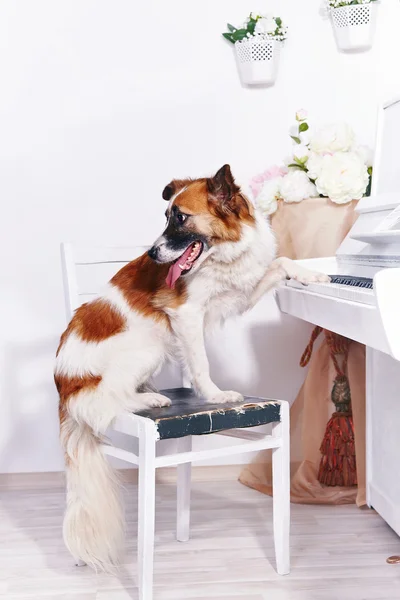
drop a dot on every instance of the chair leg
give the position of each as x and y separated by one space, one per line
281 492
146 518
183 492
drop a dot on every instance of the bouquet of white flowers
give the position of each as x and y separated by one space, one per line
327 163
265 26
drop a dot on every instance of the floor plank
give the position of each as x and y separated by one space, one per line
337 552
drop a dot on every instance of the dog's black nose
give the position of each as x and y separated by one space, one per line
153 252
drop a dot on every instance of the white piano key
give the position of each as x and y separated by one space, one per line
335 290
358 321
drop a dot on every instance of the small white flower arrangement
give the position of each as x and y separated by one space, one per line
340 3
327 163
258 43
262 26
353 22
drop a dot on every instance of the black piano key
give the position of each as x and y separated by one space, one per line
364 282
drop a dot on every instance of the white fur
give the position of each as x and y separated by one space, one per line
93 526
227 280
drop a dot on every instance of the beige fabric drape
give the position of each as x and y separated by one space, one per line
315 228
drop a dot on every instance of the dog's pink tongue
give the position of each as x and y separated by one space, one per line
175 271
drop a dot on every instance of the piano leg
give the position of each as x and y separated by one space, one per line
382 436
369 374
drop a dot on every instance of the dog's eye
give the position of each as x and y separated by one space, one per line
181 218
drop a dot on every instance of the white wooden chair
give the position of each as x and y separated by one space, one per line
85 271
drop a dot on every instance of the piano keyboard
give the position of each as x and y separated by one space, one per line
346 287
361 282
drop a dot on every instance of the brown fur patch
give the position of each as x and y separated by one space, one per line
194 200
69 386
143 284
209 218
94 322
174 187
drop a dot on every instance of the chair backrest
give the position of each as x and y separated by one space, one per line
86 270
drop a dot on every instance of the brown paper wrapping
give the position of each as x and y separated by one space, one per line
315 228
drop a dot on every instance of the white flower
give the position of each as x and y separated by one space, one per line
365 153
332 138
301 115
270 25
267 199
343 177
259 28
314 165
301 152
304 137
265 25
296 186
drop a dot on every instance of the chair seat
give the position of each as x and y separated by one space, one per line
191 415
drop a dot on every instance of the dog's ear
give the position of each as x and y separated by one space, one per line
175 186
222 190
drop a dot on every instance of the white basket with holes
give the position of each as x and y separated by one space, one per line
258 60
354 26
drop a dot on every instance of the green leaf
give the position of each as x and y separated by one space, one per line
228 36
296 139
303 127
239 34
298 166
251 25
231 27
301 161
278 21
368 189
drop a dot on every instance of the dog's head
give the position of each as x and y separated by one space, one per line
202 215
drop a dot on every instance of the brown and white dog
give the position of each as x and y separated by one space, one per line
214 259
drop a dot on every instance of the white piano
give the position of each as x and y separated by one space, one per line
362 302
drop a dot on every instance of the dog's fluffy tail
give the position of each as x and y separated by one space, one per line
94 520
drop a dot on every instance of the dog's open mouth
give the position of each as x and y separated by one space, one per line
184 263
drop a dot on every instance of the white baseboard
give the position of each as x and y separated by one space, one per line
165 475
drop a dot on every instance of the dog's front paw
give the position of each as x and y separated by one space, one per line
224 397
306 276
153 400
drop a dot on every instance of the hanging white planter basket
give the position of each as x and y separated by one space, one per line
354 26
258 60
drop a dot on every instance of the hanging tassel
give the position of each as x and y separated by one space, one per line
338 462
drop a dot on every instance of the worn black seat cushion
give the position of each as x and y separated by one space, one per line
191 415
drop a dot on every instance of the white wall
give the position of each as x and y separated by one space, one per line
96 116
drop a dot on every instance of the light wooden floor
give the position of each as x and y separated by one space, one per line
337 552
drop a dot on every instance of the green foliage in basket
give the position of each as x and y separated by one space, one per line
266 26
340 3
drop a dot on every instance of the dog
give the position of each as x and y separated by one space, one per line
215 258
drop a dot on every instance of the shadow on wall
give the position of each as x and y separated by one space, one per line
29 395
266 359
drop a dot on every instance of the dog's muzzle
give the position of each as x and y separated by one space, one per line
153 252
